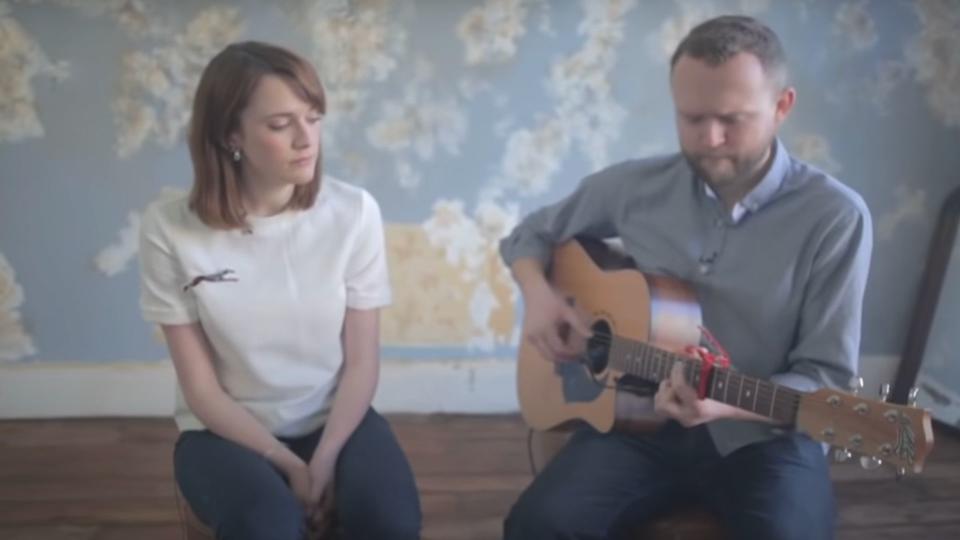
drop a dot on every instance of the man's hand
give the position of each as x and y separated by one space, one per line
547 320
678 400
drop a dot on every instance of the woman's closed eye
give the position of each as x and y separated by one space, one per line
282 124
278 125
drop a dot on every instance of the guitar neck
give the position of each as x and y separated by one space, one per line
653 364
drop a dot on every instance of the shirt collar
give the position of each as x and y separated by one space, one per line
764 191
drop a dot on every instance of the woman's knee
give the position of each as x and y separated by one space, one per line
263 518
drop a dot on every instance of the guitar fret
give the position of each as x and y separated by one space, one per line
718 385
761 401
756 392
773 400
738 382
650 364
645 359
745 392
740 390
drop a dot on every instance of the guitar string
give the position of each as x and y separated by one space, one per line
788 398
782 397
780 403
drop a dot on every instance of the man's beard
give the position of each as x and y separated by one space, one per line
744 168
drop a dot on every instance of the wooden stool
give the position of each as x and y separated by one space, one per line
691 522
190 525
193 529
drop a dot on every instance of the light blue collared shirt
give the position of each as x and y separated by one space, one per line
780 279
763 191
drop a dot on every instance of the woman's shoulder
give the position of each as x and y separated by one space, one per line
346 196
170 209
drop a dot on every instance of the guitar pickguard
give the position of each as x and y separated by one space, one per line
578 385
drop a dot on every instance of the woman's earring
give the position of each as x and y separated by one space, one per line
236 155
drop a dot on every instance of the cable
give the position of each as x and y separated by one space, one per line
533 468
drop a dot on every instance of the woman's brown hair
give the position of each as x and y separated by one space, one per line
225 88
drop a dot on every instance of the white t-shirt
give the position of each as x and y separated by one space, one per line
271 302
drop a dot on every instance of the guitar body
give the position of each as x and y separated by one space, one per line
615 299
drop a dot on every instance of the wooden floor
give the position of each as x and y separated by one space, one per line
112 479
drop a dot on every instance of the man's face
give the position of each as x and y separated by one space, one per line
727 117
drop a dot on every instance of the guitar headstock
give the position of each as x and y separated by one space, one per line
899 435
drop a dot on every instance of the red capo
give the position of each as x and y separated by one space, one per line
708 360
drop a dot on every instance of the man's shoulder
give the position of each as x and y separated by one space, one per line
821 190
646 167
652 170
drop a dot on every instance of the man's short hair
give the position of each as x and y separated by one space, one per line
719 39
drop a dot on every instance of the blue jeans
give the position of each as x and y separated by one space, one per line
604 485
240 495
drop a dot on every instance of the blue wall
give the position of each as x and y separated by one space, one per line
458 116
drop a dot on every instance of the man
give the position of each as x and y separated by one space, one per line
778 254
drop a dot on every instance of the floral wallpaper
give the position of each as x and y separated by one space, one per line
459 116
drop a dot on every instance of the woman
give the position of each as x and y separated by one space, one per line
267 282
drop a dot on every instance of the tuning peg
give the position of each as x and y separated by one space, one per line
856 385
901 472
870 463
884 391
912 396
841 454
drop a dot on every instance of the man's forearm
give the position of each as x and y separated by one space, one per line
529 274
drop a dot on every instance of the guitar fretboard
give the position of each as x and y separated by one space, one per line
653 364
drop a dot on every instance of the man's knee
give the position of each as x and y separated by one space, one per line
811 521
540 517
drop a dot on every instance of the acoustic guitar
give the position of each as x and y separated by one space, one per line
642 325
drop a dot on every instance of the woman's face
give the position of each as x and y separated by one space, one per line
279 136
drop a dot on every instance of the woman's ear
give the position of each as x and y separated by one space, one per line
233 142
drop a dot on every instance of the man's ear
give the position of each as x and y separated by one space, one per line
785 102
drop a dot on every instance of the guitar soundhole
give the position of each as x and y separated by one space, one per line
598 347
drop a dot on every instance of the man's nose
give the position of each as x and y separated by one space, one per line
713 134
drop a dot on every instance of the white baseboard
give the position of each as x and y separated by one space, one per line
72 389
